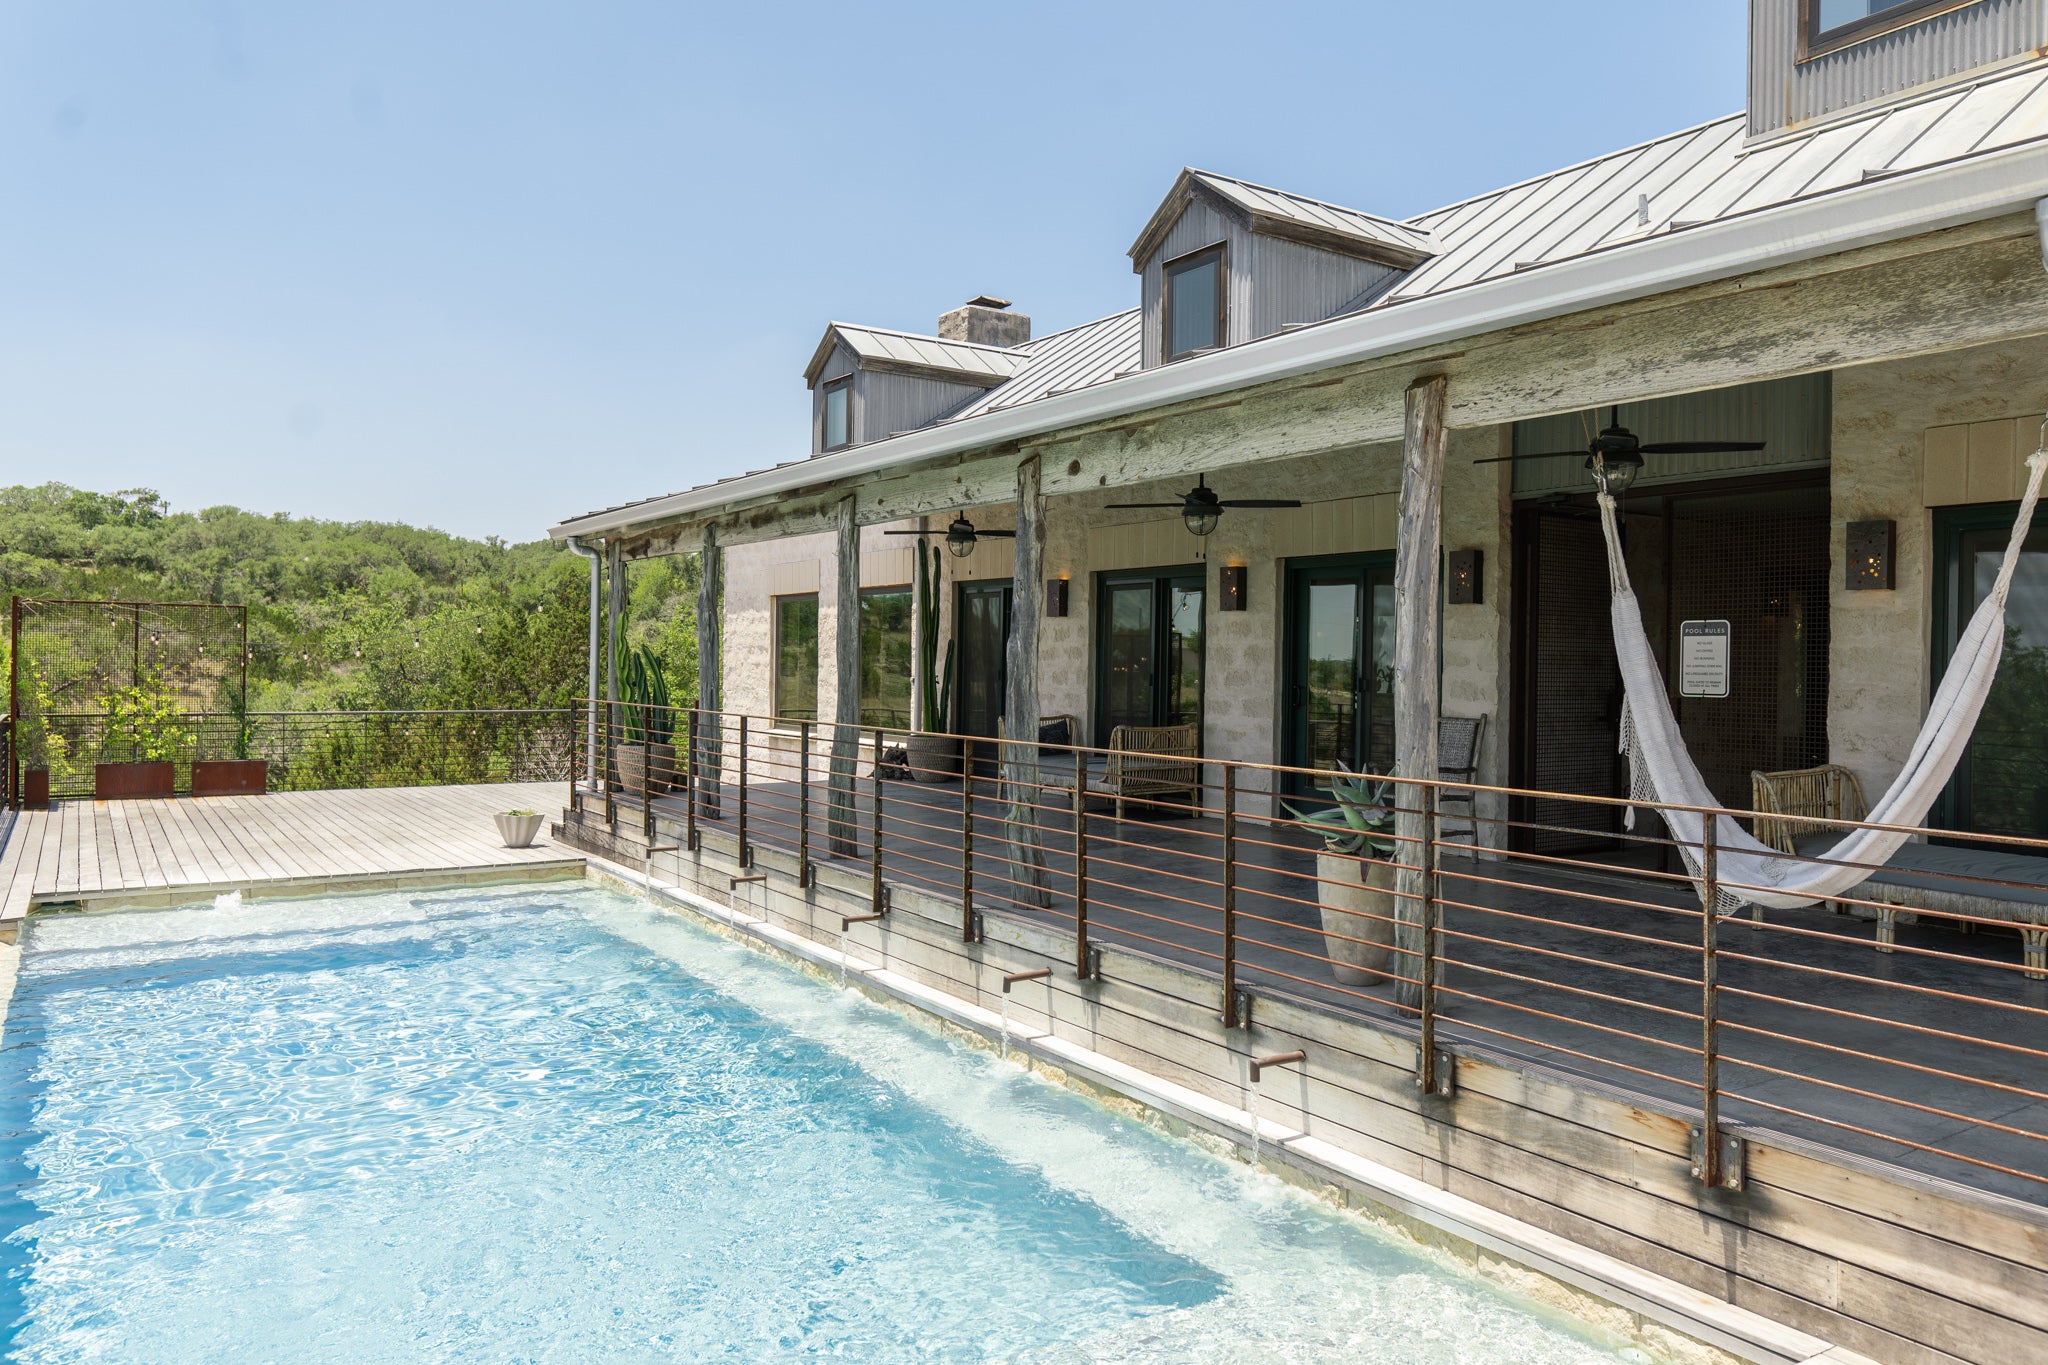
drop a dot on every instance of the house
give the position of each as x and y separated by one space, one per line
1809 342
1847 273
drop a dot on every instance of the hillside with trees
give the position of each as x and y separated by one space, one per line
349 615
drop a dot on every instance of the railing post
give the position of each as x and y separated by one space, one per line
1084 965
1229 896
647 779
1709 1163
967 924
740 801
803 803
1427 1061
690 782
877 900
611 804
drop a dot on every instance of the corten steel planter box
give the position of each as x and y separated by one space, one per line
130 781
230 777
35 788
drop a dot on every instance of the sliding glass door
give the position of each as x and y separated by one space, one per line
1339 674
2001 786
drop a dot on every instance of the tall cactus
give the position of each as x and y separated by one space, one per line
934 674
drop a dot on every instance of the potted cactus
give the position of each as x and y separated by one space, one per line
934 754
1355 876
645 758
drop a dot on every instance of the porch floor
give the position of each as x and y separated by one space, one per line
1819 1029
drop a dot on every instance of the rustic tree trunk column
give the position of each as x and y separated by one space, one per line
1021 791
1417 554
710 579
840 826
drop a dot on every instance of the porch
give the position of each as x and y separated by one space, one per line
1925 1057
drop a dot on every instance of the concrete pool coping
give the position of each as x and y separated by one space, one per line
1591 1289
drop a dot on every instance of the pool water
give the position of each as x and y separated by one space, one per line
558 1123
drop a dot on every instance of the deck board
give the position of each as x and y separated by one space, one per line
82 849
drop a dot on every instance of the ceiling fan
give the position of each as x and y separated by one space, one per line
1201 509
960 537
1615 456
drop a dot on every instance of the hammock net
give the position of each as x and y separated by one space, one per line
1749 872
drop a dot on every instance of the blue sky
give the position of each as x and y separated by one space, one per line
481 266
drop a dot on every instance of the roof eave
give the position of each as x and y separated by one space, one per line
1929 200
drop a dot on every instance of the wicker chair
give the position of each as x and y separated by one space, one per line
1457 759
1152 760
1793 804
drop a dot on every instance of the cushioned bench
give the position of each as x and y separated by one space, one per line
1968 884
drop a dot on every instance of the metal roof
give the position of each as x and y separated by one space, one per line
973 362
1614 206
1265 202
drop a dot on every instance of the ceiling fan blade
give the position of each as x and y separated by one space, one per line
1005 535
913 533
1260 502
1133 506
1698 447
1533 455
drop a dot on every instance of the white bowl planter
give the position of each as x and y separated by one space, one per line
517 827
1357 896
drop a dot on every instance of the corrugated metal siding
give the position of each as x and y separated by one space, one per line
1784 91
839 365
1791 416
1292 283
1201 225
885 404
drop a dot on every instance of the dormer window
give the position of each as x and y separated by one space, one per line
838 415
1828 24
1194 302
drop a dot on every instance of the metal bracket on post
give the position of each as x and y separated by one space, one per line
1730 1164
1094 961
1241 1004
1440 1076
977 928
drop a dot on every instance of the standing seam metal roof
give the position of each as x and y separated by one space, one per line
1695 176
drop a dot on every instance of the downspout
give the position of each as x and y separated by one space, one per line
590 761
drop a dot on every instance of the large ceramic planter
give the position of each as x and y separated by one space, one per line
934 758
631 762
35 788
1358 903
230 777
133 781
517 827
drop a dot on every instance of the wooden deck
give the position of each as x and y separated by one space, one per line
80 851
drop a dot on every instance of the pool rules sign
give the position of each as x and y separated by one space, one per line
1703 658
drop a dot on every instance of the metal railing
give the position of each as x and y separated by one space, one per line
1558 943
314 750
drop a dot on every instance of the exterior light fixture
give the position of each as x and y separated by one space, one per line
1615 470
1463 586
960 538
1871 555
1055 597
1232 584
1199 513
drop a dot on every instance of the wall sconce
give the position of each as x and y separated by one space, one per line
1872 547
1233 587
1055 597
1463 587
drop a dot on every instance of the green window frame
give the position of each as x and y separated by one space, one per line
2010 746
796 657
885 657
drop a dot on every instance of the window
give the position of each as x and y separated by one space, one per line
796 657
2001 786
885 658
837 415
1194 302
1830 23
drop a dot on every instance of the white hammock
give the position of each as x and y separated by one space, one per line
1662 770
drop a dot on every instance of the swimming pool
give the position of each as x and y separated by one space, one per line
558 1123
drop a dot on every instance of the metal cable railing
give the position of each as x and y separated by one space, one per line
1828 1022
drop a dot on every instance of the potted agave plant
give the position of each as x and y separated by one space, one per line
645 757
1355 876
934 754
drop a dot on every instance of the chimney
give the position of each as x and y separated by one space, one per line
987 321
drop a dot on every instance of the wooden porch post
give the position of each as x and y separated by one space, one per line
1417 552
711 572
844 838
1021 791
